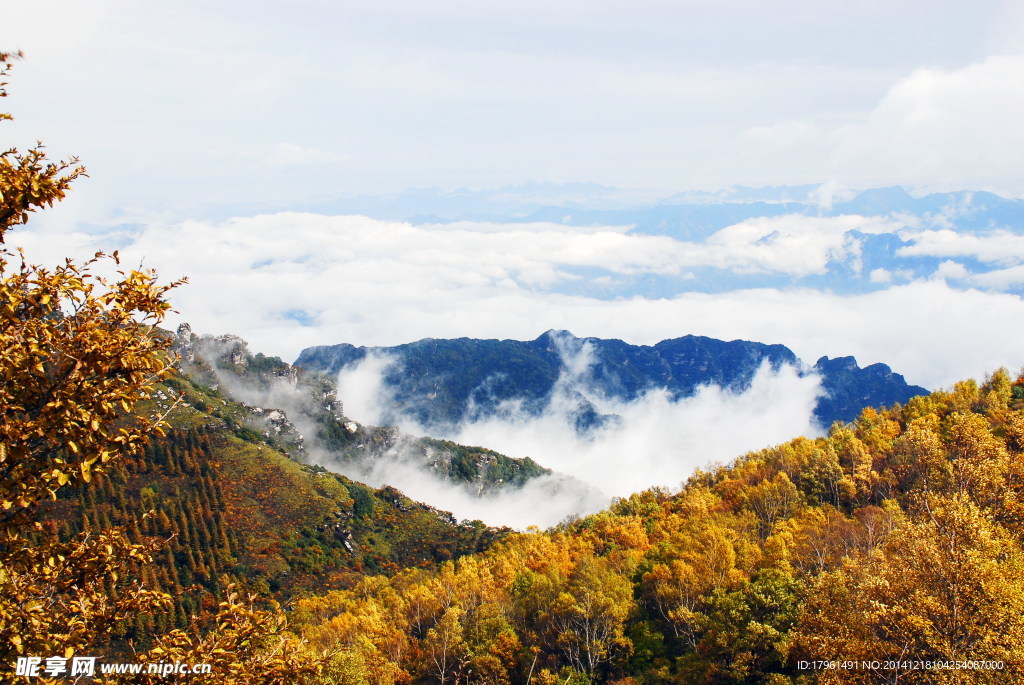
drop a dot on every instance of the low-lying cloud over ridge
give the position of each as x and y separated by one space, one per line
656 441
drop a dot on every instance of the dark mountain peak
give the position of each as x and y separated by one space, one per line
849 365
850 388
699 345
555 334
334 356
881 370
836 364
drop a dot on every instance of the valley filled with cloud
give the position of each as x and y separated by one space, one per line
653 441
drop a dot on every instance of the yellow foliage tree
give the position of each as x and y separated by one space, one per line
945 590
78 352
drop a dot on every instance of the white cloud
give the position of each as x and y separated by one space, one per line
291 154
1000 279
880 276
659 441
829 192
793 244
944 128
997 247
543 501
951 270
356 251
362 389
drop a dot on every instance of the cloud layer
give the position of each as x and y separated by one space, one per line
292 280
288 281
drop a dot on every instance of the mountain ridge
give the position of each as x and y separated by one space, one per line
301 415
441 382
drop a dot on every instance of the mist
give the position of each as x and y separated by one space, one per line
542 502
655 440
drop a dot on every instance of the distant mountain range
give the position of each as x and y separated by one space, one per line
440 383
690 215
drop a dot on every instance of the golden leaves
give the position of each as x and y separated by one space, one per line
78 352
53 596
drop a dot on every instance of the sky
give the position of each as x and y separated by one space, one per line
185 108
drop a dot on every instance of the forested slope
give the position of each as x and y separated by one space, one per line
893 544
228 508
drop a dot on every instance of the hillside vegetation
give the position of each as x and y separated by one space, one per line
227 508
299 413
888 551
